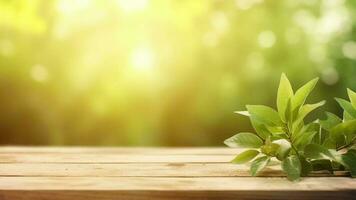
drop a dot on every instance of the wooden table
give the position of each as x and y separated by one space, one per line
151 173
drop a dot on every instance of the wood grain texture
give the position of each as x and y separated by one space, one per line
60 173
110 158
143 170
123 150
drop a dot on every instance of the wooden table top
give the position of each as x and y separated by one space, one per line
60 173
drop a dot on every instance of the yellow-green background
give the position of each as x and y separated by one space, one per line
162 72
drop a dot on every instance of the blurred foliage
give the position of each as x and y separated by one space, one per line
162 72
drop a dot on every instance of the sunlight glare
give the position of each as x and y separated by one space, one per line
142 59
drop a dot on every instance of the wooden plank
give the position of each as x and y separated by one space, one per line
90 188
140 170
177 183
151 173
109 158
174 195
123 150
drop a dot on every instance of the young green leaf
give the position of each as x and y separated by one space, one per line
245 156
347 117
289 113
352 96
259 164
244 140
285 92
303 139
302 93
330 121
347 107
305 110
275 130
270 149
265 114
292 167
259 127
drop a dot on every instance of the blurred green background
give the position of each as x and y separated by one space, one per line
162 72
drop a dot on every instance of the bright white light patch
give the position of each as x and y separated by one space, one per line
39 73
266 39
142 59
129 6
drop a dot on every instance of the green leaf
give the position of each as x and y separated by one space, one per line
329 143
285 92
318 152
259 127
343 131
244 140
292 167
265 114
350 161
259 164
304 139
352 96
305 110
330 121
348 127
347 107
284 148
346 116
275 130
245 156
289 113
302 93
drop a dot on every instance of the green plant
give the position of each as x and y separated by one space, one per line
300 147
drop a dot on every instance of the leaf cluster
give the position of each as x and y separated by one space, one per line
283 135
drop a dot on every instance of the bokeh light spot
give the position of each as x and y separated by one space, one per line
329 75
349 50
266 39
142 59
220 22
6 48
39 73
